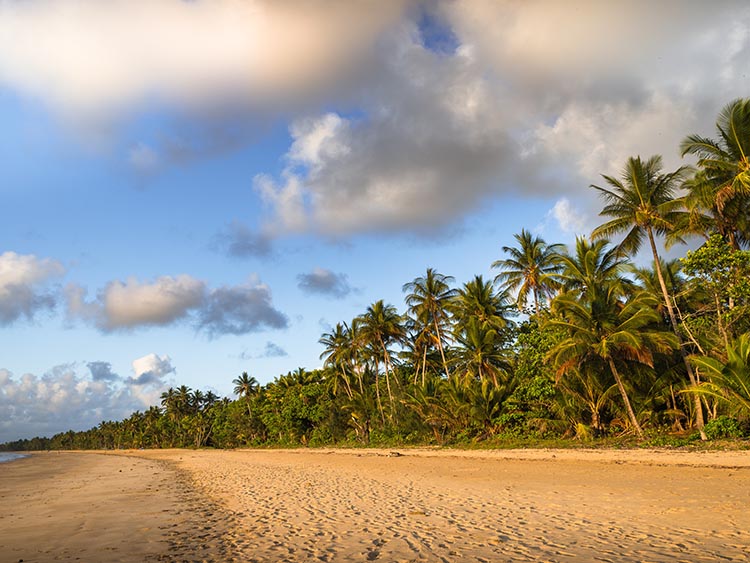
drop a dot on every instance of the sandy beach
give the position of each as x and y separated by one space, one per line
377 505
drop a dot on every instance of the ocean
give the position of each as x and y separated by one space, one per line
9 457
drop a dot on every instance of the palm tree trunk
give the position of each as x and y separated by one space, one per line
699 422
346 382
377 392
440 345
623 393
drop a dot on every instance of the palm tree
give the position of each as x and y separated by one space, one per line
591 265
428 300
478 299
602 329
245 385
642 203
730 381
381 327
336 354
530 268
723 185
481 354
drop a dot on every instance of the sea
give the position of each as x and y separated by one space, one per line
9 457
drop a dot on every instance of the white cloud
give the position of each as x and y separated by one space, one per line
89 57
167 300
130 304
23 280
151 369
569 219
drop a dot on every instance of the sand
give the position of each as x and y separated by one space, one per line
369 505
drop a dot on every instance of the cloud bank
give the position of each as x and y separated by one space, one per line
62 399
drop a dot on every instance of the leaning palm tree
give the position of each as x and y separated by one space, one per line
723 186
642 204
530 268
428 300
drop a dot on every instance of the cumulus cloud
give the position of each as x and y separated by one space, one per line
23 281
324 282
167 300
527 102
130 304
240 241
102 371
91 57
240 310
59 400
151 370
425 118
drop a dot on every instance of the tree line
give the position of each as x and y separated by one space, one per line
564 342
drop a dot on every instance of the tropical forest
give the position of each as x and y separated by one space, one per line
576 344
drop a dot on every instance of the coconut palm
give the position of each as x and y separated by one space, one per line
428 300
728 381
606 332
381 326
529 269
480 354
478 299
642 204
722 188
336 355
245 385
591 265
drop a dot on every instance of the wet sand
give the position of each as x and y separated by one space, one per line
422 505
104 509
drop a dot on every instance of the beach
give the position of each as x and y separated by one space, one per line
377 505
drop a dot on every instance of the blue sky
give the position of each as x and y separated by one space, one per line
196 189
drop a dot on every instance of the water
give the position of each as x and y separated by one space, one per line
9 457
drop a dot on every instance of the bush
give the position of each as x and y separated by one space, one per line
723 427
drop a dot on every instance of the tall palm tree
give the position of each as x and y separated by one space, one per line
382 326
642 203
245 385
335 354
723 185
428 300
530 268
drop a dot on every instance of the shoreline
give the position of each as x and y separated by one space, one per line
400 504
68 506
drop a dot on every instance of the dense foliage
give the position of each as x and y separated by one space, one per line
568 342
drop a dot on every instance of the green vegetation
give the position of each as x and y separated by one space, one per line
564 347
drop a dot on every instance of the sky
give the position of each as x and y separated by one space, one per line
193 189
